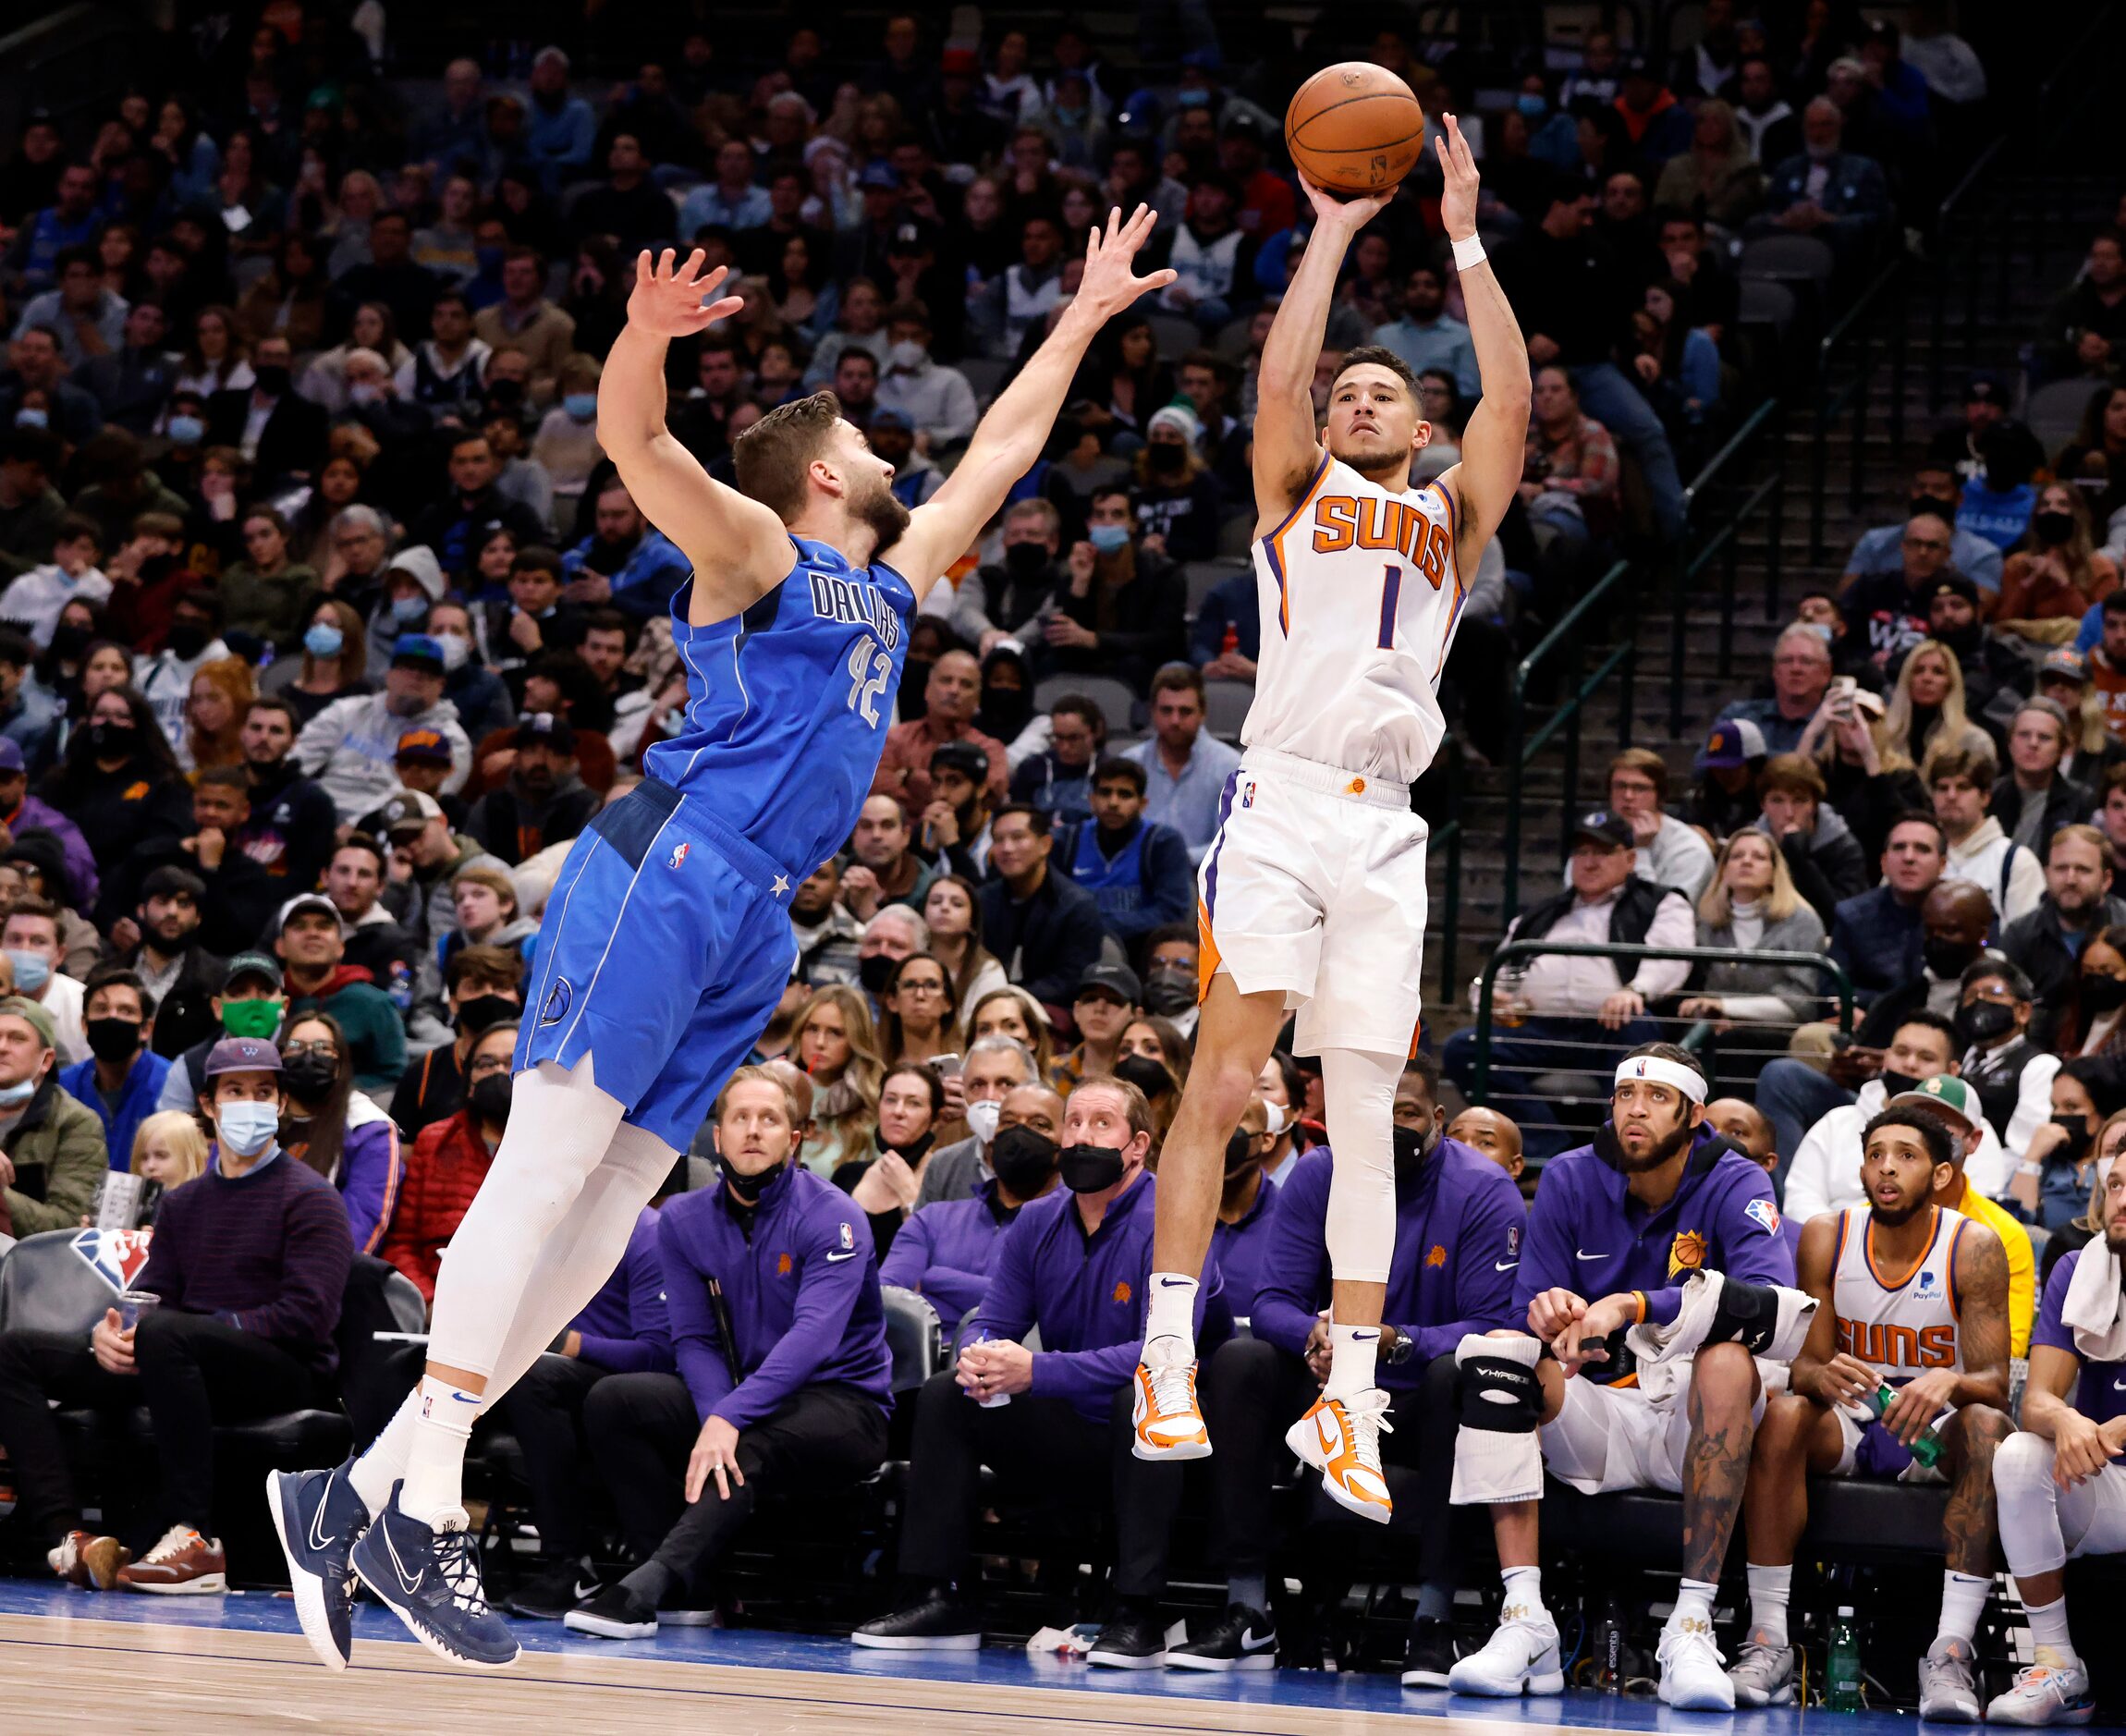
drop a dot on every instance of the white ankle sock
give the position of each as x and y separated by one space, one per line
1524 1588
1962 1602
1770 1588
436 1454
384 1462
2049 1630
1171 1317
1694 1599
1352 1352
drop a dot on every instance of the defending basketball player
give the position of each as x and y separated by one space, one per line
1914 1296
666 941
1314 893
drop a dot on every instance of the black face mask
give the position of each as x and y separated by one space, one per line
187 640
1894 1085
1025 561
751 1188
876 972
1149 1076
1412 1148
2102 993
2077 1140
1022 1160
272 379
490 1099
309 1077
477 1012
110 741
1983 1021
505 394
1239 1151
113 1040
70 642
2052 529
1089 1168
1948 959
1166 458
1170 989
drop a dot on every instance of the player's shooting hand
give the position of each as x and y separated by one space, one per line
716 1455
1458 164
1553 1309
1109 285
1341 218
672 300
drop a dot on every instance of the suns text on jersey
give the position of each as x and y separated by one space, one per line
855 603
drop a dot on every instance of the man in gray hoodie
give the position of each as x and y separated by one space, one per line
348 747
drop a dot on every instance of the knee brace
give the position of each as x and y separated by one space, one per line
1497 1456
1764 1319
2031 1535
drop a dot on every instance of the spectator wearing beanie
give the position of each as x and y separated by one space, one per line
54 1143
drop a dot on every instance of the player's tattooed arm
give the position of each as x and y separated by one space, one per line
1494 445
1982 1317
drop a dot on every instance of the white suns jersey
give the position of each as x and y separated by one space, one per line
1902 1323
1359 592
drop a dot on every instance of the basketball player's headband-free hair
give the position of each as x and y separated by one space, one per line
1664 1072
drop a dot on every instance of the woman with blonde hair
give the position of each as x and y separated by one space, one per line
2056 573
1925 713
222 693
1752 907
1716 180
1012 1012
833 1040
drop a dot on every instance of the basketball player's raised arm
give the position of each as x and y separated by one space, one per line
1010 437
738 547
1287 454
1494 445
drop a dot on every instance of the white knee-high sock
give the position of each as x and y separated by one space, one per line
576 1260
1358 1095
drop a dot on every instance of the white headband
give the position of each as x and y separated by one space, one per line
1687 1080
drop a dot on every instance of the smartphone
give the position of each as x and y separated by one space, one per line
947 1066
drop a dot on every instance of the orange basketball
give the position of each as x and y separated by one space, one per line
1354 129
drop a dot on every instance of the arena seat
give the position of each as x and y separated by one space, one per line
911 1338
1226 707
2054 412
1175 334
1200 576
985 375
1117 702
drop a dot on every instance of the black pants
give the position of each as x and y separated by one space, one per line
1037 1442
1253 1392
194 1371
544 1411
642 1427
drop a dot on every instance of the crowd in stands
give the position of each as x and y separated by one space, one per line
328 628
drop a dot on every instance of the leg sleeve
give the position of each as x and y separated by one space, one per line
1359 1098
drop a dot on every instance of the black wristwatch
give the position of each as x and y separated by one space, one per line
1398 1353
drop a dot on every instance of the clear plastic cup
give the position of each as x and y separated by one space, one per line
132 1304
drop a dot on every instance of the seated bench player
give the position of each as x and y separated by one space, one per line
1459 1221
1914 1296
2060 1481
1075 1266
946 1250
1617 1226
771 1283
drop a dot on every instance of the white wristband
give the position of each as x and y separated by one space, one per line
2028 1169
1468 252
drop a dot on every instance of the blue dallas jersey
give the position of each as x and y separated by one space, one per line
788 704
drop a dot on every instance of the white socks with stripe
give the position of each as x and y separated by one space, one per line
1170 1321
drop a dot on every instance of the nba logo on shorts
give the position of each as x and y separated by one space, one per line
1247 795
679 856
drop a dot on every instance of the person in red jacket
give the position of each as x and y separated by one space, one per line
449 1162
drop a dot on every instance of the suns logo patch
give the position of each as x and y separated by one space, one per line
1687 1253
782 1266
1122 1290
1435 1254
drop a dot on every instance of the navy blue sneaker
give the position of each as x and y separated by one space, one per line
430 1580
318 1516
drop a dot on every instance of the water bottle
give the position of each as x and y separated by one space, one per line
1842 1667
1926 1450
1608 1650
1231 642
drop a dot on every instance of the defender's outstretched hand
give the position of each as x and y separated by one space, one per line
1458 164
1109 285
673 301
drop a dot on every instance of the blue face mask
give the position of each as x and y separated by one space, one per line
583 406
246 1128
28 416
322 641
1108 538
187 430
1193 99
13 1097
408 608
1532 105
32 970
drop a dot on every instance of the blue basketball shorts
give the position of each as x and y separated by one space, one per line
665 948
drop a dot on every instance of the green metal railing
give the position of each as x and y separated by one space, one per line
1568 638
1510 951
1699 546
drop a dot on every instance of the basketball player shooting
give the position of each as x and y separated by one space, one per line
667 941
1314 893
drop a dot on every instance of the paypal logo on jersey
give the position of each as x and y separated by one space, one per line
855 603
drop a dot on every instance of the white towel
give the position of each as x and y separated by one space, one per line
1491 1465
2095 1307
1664 1352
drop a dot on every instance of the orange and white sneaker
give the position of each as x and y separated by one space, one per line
183 1564
1169 1421
1340 1438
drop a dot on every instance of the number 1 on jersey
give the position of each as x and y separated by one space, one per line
1390 595
869 670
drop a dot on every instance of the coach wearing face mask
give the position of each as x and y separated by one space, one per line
51 1152
1075 1265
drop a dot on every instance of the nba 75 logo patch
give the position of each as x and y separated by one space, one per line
117 1256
